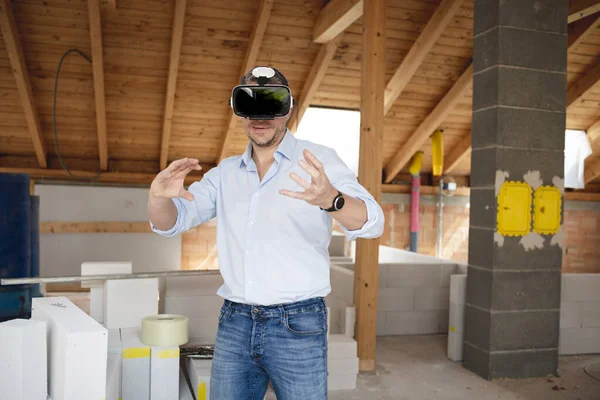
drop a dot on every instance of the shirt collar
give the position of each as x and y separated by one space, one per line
285 148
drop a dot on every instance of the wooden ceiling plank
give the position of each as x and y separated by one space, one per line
579 30
457 154
579 9
583 86
258 32
429 125
335 17
419 50
19 68
592 170
98 70
315 77
176 39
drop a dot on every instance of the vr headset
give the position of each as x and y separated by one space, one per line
261 101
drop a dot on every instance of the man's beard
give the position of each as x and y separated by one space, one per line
278 133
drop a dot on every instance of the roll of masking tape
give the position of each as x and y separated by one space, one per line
165 330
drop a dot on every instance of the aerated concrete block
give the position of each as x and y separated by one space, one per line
164 373
113 377
432 298
456 320
416 322
580 287
591 314
342 366
204 329
103 268
579 341
97 303
455 346
201 285
128 301
199 371
78 349
135 379
342 347
341 382
349 321
337 246
194 306
23 360
458 289
571 314
396 299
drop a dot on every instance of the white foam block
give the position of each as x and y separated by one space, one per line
23 365
341 382
103 268
97 303
128 301
455 346
458 289
456 319
164 373
113 377
135 365
199 371
341 347
77 356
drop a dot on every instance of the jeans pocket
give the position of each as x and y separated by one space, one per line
306 323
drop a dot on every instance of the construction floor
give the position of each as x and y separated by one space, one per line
416 368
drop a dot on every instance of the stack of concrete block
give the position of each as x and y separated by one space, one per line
97 287
23 360
340 297
128 301
199 372
195 297
456 323
342 362
135 375
164 373
413 299
113 368
78 349
580 314
185 392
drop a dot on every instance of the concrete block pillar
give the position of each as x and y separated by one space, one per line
515 238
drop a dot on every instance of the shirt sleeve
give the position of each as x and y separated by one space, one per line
198 211
344 180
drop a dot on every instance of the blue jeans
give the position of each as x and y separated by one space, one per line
285 344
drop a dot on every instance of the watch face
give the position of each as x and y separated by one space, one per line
339 203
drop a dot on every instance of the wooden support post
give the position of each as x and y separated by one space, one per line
366 272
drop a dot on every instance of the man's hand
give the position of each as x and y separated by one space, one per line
169 182
319 192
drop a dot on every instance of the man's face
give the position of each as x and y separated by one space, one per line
265 132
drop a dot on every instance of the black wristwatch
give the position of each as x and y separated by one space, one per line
338 203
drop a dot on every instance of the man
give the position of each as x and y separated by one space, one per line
275 205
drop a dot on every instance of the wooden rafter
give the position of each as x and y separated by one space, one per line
578 31
17 61
419 50
583 86
335 17
112 3
457 154
317 72
176 39
258 32
429 125
579 9
592 165
98 70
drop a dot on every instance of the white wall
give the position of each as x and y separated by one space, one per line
62 253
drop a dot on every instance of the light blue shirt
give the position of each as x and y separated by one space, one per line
272 249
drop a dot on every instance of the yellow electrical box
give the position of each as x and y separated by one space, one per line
547 202
514 209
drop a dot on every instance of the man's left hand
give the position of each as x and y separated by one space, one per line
319 192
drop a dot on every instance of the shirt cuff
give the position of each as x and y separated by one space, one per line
372 228
175 229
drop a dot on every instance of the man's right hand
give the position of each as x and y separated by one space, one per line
168 184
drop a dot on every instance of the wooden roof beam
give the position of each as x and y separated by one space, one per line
429 125
335 17
579 9
112 3
176 39
583 86
457 154
317 72
258 32
17 61
579 30
419 50
98 70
